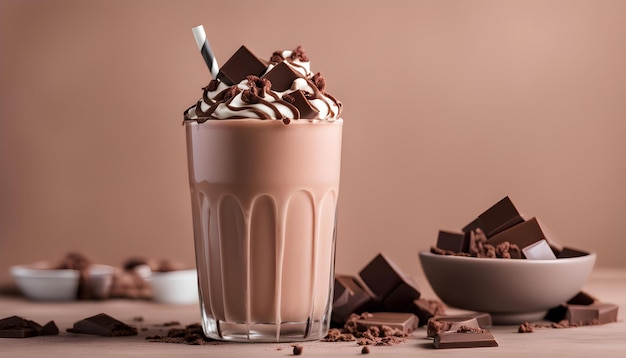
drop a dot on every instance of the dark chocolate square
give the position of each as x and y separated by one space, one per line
522 235
401 297
354 297
240 65
381 275
281 76
452 241
499 217
299 100
103 325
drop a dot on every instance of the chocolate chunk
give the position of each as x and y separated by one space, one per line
558 313
103 325
499 217
297 349
464 340
522 235
447 322
382 276
18 327
49 329
299 100
241 64
355 298
402 296
452 241
597 313
540 250
568 252
404 323
281 76
426 309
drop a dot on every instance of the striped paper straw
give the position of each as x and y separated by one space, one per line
205 50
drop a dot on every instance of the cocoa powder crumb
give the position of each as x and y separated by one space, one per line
297 349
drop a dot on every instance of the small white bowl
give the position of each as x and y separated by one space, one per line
175 287
511 290
41 283
100 278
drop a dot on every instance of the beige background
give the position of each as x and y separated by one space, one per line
449 106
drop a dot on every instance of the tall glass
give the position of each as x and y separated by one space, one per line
264 203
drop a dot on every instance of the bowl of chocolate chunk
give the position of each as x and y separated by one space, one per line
506 265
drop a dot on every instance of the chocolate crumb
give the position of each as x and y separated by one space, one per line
138 319
297 350
365 350
525 328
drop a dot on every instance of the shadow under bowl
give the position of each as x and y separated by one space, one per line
511 290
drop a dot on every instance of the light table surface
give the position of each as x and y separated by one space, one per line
602 341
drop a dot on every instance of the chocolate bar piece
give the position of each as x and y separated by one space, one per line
558 313
299 100
382 276
403 322
426 309
241 64
499 217
18 327
522 235
103 325
540 250
402 296
597 313
442 323
281 76
351 297
568 252
452 241
464 340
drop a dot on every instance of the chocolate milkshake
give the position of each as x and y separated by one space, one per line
264 152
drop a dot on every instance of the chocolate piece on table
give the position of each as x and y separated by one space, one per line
522 235
403 322
568 252
597 313
103 325
382 276
241 64
299 100
18 327
49 329
426 309
402 296
483 320
353 298
540 250
464 340
281 76
558 313
452 241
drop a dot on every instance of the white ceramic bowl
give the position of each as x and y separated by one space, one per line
511 290
175 287
99 280
38 282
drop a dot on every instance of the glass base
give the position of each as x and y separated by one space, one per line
265 332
